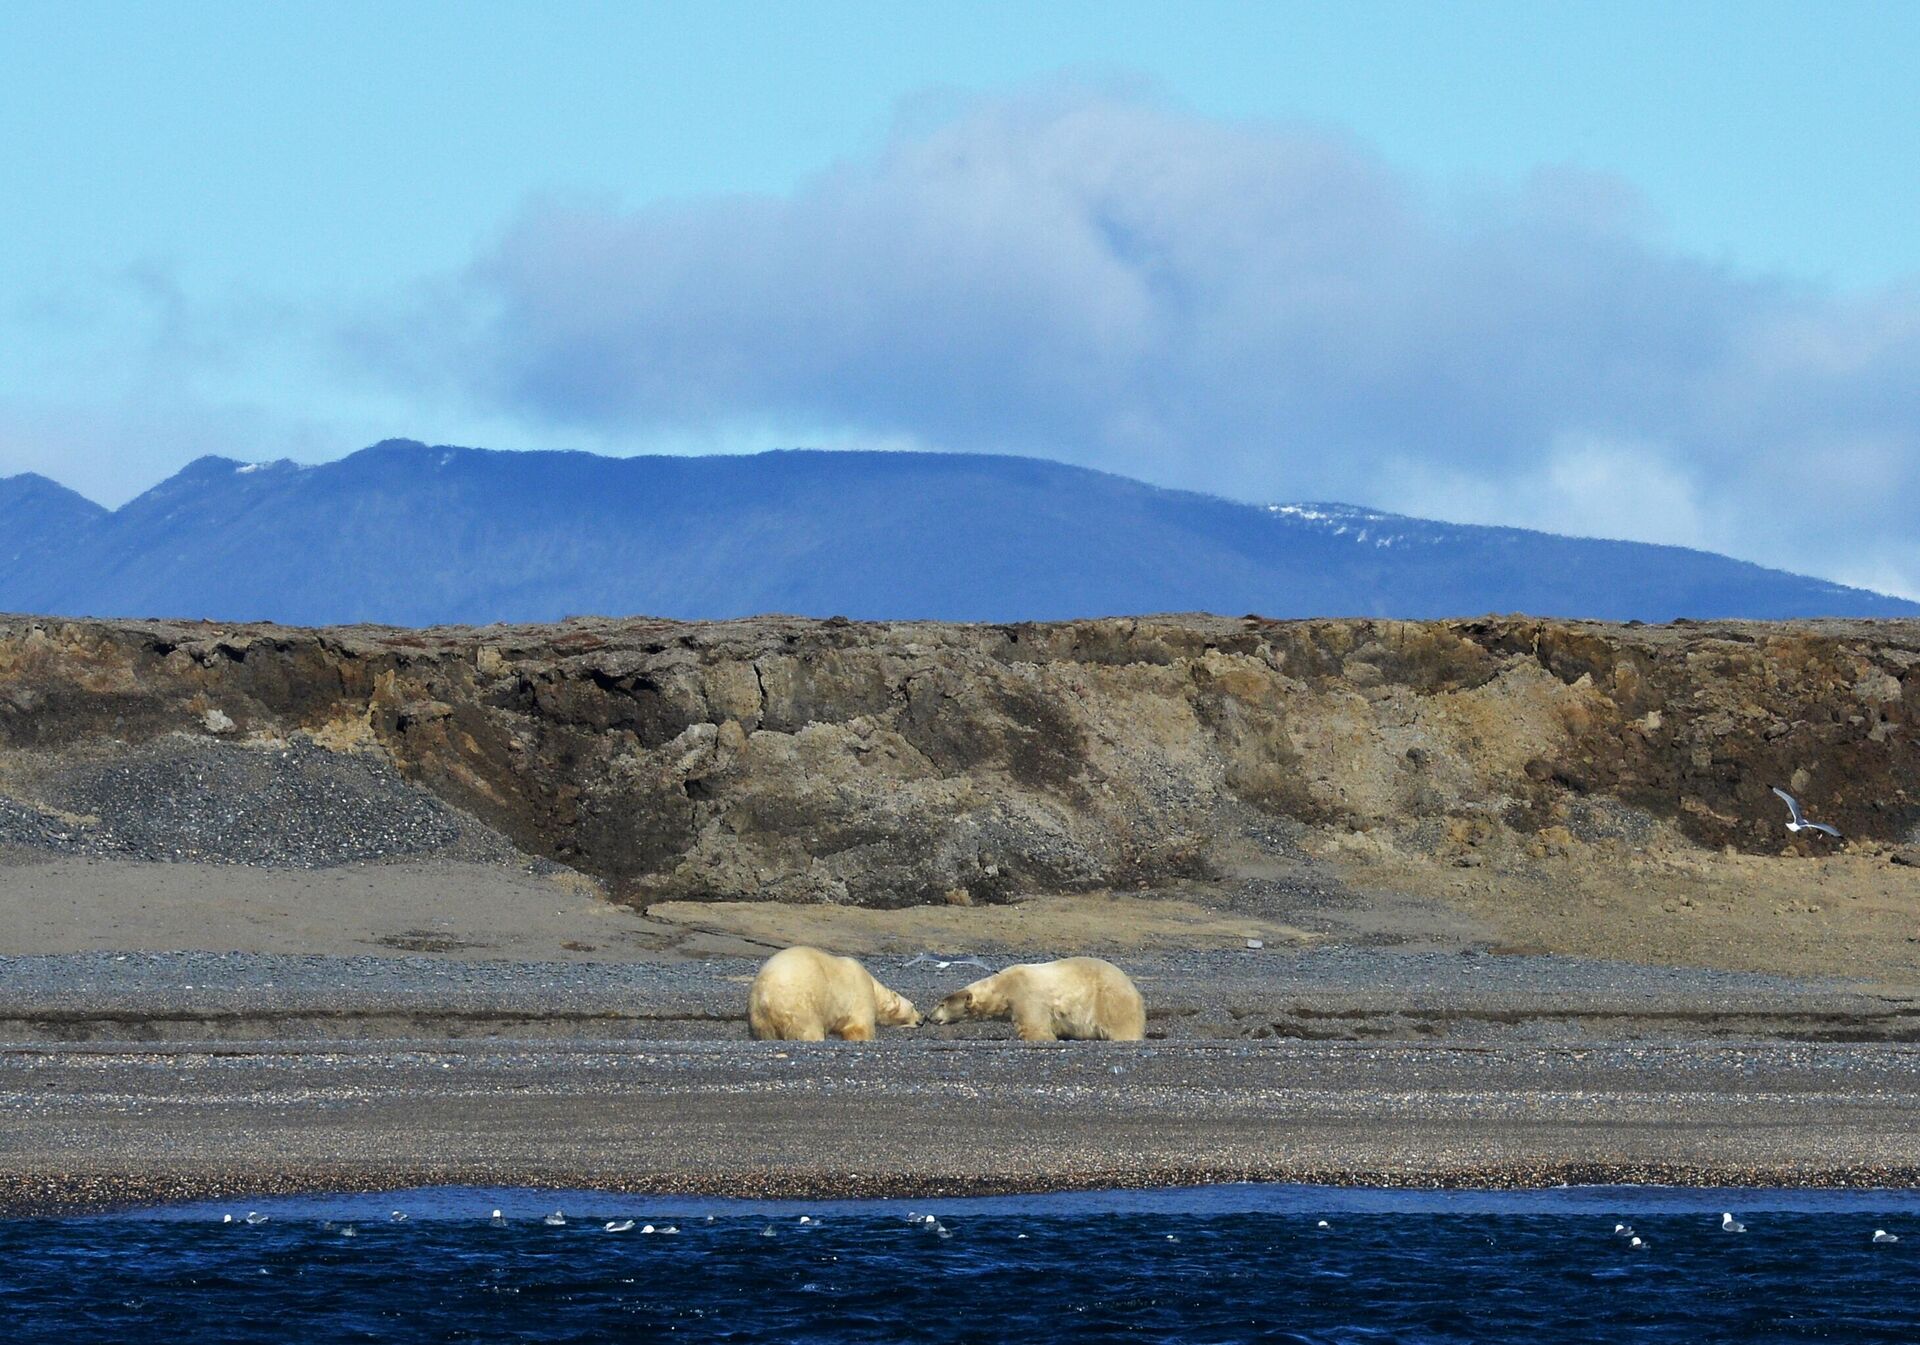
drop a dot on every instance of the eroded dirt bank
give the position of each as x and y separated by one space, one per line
1567 783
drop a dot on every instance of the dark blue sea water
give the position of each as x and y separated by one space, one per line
1212 1264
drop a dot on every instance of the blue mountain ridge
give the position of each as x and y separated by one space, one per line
38 518
408 534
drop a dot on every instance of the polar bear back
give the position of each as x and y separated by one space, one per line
1073 999
1088 998
803 994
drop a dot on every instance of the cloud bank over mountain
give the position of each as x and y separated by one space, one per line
1261 310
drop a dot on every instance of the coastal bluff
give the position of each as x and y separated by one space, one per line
887 765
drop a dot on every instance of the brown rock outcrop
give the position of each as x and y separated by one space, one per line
895 764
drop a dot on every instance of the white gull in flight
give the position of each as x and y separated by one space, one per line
1798 822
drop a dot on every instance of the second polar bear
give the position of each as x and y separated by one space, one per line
803 994
1074 999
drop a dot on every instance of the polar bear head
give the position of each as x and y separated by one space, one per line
893 1010
953 1009
983 999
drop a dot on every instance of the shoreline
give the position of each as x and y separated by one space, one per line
23 1199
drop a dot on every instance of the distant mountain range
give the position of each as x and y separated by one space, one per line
416 535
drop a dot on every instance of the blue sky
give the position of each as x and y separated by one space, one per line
1605 268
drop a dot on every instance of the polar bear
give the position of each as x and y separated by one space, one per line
1074 999
803 994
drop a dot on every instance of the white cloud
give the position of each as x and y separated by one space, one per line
1259 310
1581 484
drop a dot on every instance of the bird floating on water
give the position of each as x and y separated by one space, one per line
349 1231
1636 1244
618 1225
1323 1224
557 1219
1797 822
255 1217
397 1217
1881 1235
1729 1224
499 1220
646 1228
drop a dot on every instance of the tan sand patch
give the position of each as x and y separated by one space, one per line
1853 914
1079 922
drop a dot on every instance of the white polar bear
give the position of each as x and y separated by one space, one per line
1074 999
803 994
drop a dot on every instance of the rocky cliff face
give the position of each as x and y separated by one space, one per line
897 764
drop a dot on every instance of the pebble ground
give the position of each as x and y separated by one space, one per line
91 1128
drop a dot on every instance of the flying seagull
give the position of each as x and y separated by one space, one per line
950 962
1799 821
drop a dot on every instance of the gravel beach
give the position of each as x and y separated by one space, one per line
97 1128
1325 994
137 1077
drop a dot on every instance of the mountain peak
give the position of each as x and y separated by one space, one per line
33 486
29 496
396 446
209 465
41 522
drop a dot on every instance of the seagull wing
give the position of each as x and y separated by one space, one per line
971 962
1822 826
1793 804
918 958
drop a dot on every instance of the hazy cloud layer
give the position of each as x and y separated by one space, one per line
1259 310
